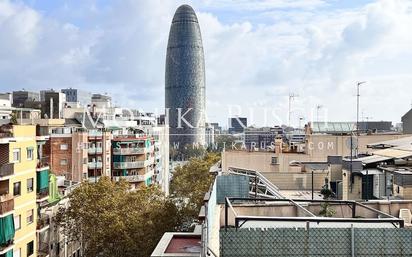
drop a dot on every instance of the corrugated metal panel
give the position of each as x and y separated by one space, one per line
373 159
394 153
393 143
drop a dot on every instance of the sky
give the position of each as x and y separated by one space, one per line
257 53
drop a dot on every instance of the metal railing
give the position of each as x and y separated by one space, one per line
42 221
42 162
259 184
241 219
97 165
129 165
6 169
95 150
125 151
6 203
42 193
131 178
43 249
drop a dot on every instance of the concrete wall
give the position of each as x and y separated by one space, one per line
341 210
320 146
349 192
79 154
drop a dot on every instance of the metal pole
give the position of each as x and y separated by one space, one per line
367 184
255 186
312 184
226 213
357 108
352 240
95 158
351 160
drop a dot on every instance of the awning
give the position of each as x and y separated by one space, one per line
42 180
371 172
6 229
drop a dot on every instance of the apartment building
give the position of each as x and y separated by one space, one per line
161 139
98 154
18 182
133 159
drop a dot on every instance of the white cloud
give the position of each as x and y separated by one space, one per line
316 52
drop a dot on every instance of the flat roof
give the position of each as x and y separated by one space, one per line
392 143
184 244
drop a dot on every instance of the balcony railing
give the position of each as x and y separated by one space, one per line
42 194
95 150
93 179
6 203
6 170
126 151
43 162
135 178
97 165
43 222
131 178
43 249
129 165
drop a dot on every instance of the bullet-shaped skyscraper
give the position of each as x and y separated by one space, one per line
185 79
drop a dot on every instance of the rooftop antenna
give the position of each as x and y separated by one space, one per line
318 107
291 97
357 115
357 105
300 121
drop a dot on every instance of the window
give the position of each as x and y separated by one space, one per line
17 252
17 222
16 155
30 248
30 185
30 215
30 153
16 189
274 160
64 147
63 162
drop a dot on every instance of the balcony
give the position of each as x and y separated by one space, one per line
95 165
6 204
135 178
128 151
131 178
93 179
95 133
43 249
129 165
95 150
42 163
42 195
43 223
6 170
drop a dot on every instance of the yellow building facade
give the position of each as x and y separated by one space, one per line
18 154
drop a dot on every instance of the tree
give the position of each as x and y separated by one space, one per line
223 142
189 184
110 220
186 152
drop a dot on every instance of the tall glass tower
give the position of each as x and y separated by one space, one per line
185 79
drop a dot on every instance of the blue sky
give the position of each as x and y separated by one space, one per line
256 53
